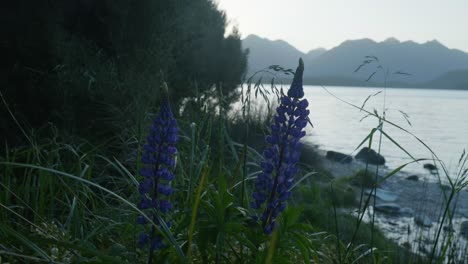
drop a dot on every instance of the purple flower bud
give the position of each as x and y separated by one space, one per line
146 172
164 189
296 90
284 196
145 203
280 110
272 139
145 186
280 119
305 114
303 104
275 127
143 239
286 100
267 167
268 153
165 206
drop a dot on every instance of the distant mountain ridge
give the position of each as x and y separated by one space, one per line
431 63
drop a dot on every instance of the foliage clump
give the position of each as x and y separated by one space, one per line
364 178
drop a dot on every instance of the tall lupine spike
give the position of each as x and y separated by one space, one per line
273 184
296 90
159 159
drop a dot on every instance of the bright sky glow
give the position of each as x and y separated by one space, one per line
309 24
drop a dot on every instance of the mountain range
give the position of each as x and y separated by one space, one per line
408 64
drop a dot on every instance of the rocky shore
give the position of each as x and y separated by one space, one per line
408 207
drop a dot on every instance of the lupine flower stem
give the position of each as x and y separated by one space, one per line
272 187
159 159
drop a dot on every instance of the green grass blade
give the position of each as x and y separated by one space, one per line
164 230
195 210
398 145
26 242
368 137
393 172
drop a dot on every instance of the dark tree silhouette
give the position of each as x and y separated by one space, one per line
67 62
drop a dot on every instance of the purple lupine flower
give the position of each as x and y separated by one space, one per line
158 158
273 184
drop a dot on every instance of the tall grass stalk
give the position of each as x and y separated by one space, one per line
195 210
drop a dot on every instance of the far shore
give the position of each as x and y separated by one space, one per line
359 84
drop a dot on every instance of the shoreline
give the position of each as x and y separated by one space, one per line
423 190
407 211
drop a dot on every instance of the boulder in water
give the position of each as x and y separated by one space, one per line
384 195
431 167
423 220
369 155
464 229
406 212
413 178
394 209
388 208
448 229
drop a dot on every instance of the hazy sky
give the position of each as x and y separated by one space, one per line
308 24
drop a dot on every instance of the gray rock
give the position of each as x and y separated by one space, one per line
429 166
339 157
394 210
448 229
406 212
423 220
464 229
413 178
369 155
388 208
406 245
383 195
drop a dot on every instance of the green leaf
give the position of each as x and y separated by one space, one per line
195 210
303 247
393 172
368 137
398 145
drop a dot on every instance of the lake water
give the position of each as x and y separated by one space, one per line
438 117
